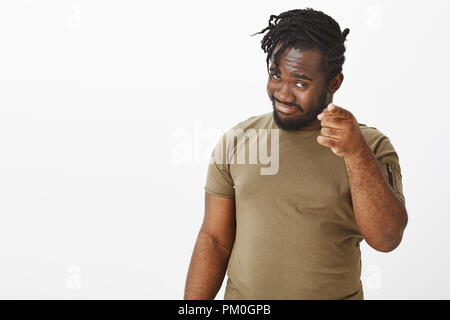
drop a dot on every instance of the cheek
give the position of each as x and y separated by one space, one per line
270 89
306 100
311 97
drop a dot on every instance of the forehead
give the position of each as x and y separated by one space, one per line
297 59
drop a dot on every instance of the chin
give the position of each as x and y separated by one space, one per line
291 123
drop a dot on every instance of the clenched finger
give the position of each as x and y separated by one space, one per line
327 120
330 132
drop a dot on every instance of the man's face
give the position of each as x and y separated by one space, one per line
298 90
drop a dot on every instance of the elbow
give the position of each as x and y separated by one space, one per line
389 242
393 238
386 247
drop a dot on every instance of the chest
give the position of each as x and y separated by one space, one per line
306 174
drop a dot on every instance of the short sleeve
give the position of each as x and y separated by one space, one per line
218 179
390 165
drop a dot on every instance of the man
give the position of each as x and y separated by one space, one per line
295 234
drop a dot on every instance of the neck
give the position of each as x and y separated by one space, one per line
315 125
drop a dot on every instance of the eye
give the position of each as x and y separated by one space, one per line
299 84
273 75
303 84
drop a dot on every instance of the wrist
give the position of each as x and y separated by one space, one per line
359 154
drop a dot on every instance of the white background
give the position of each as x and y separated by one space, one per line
98 198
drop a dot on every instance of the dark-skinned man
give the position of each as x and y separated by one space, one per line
295 234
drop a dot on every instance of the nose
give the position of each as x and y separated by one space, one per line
284 95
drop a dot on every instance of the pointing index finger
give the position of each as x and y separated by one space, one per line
336 111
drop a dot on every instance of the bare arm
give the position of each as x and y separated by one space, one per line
380 215
212 249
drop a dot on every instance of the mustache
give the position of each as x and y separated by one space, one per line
287 104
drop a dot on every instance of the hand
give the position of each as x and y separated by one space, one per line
340 131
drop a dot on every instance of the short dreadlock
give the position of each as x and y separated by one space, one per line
306 29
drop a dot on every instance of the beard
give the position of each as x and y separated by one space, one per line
303 120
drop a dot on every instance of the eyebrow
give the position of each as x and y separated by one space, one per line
295 75
301 76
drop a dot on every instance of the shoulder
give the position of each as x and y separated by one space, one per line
262 121
371 134
378 142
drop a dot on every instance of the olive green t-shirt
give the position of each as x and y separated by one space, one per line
296 234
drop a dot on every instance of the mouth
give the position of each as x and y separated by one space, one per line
285 111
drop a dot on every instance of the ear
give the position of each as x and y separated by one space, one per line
335 83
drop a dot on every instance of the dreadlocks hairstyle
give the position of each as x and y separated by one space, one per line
306 29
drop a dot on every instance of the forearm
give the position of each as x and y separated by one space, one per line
207 269
380 215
